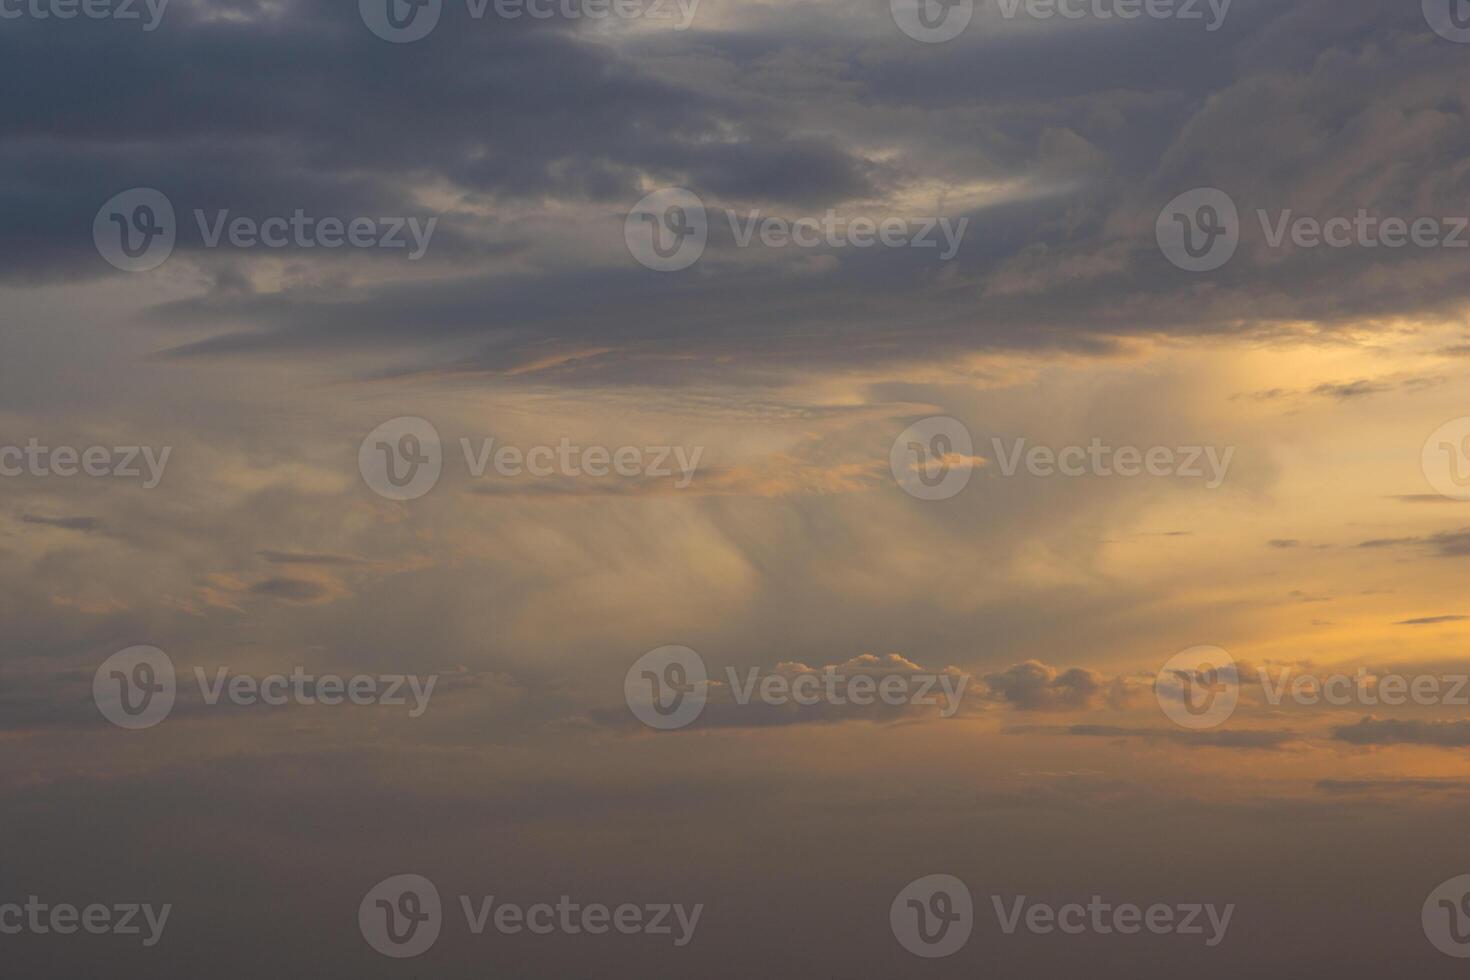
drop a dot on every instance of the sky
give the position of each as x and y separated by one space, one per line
442 444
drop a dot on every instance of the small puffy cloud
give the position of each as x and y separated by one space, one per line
1035 686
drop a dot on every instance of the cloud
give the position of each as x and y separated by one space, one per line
1351 389
1446 544
308 558
1392 731
65 523
1223 738
1430 620
1392 787
1035 686
291 590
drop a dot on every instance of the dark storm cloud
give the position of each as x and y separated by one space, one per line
300 106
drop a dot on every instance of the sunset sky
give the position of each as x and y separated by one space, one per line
782 377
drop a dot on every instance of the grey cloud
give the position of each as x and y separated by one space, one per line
1445 544
1034 686
290 589
1394 731
1229 738
65 523
308 558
